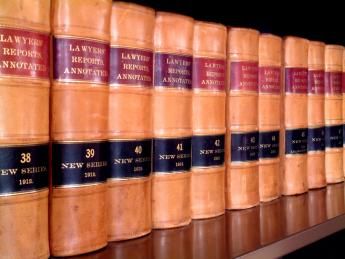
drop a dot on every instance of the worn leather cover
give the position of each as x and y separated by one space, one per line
242 177
295 117
334 113
172 106
79 112
130 118
208 109
24 122
271 228
343 91
270 86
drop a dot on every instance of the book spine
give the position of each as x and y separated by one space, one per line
79 118
316 117
24 129
343 115
295 136
209 77
172 123
270 86
242 177
130 121
333 114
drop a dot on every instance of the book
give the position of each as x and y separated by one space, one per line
79 118
333 114
343 94
316 115
242 176
24 128
270 86
208 120
130 121
295 117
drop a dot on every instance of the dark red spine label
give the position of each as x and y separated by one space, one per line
269 80
244 76
24 53
171 70
81 60
209 73
333 82
343 82
296 80
316 82
131 67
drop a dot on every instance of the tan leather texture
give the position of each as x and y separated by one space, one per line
343 85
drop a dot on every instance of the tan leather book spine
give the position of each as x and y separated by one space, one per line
79 118
24 128
208 120
295 117
271 217
316 115
242 176
343 93
270 86
172 120
317 206
334 114
335 203
130 121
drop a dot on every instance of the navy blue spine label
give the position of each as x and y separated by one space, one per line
128 159
316 139
269 144
244 146
23 168
208 150
334 136
79 163
344 132
296 141
172 155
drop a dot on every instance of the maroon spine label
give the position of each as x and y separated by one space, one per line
343 83
269 80
316 82
244 76
171 70
130 66
296 80
80 60
24 53
333 82
209 73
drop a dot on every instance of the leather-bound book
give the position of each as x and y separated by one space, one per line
130 121
242 176
270 86
24 128
295 116
334 114
208 118
172 120
343 93
79 113
316 115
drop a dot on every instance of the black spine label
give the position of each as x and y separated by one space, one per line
129 159
172 155
79 163
244 146
334 136
316 139
269 144
344 132
208 150
23 168
296 141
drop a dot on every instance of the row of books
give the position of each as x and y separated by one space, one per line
147 120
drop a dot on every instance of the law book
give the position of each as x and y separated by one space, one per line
79 117
295 116
172 120
343 115
130 121
24 128
333 114
316 115
242 176
270 86
208 120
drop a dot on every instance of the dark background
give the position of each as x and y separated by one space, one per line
317 20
